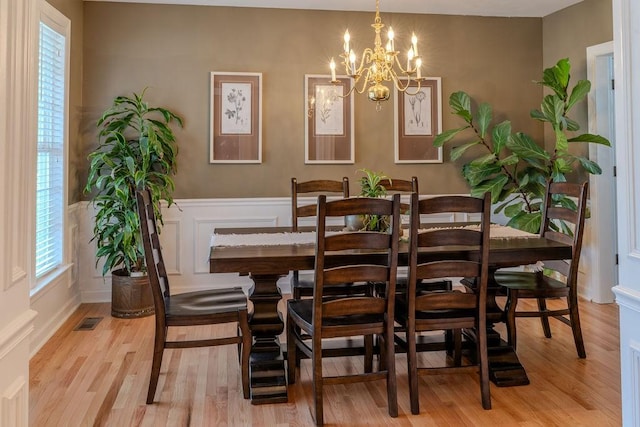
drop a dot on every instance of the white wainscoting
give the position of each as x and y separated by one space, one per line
628 300
185 237
58 299
14 351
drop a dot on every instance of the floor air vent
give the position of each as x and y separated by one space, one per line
88 324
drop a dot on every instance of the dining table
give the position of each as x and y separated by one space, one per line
267 254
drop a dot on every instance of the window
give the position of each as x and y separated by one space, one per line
53 60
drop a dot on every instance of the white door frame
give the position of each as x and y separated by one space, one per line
599 263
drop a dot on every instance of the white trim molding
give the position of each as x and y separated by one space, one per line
629 301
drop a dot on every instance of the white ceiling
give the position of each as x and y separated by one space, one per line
523 8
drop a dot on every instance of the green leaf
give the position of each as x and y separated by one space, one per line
484 118
500 135
557 77
493 186
537 115
525 147
447 135
475 174
553 109
460 102
562 166
580 90
572 125
510 160
590 166
458 151
562 146
484 160
529 222
588 137
503 205
513 210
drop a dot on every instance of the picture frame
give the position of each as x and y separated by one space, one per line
329 124
235 117
418 119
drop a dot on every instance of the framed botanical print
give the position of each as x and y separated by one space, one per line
418 119
329 128
236 118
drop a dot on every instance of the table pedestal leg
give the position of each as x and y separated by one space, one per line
267 375
505 370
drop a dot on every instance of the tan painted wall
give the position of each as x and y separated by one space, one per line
172 49
73 9
567 34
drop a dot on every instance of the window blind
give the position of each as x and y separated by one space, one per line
50 148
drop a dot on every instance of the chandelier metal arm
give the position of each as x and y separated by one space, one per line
380 64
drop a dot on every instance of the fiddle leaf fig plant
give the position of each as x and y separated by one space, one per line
136 149
512 166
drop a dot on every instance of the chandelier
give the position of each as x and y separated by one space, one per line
380 64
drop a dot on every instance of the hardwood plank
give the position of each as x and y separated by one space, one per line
100 377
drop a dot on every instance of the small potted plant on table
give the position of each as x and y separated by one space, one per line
371 186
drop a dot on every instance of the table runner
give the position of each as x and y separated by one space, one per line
306 238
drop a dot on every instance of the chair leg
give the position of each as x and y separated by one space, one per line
457 347
239 334
158 350
292 359
368 353
510 309
247 340
412 365
317 381
575 326
483 362
382 353
390 365
544 318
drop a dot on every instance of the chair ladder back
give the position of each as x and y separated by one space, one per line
400 185
152 252
574 218
321 186
349 270
454 236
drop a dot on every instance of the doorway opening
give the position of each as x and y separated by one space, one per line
600 264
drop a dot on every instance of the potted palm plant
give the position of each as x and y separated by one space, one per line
136 149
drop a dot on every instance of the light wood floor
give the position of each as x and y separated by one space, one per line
100 377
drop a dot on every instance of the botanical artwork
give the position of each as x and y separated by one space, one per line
417 112
418 119
329 111
236 108
235 117
329 128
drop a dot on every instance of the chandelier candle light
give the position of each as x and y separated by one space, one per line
379 65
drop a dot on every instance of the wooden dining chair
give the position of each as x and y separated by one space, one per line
419 311
302 281
562 221
401 186
209 307
323 319
407 187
